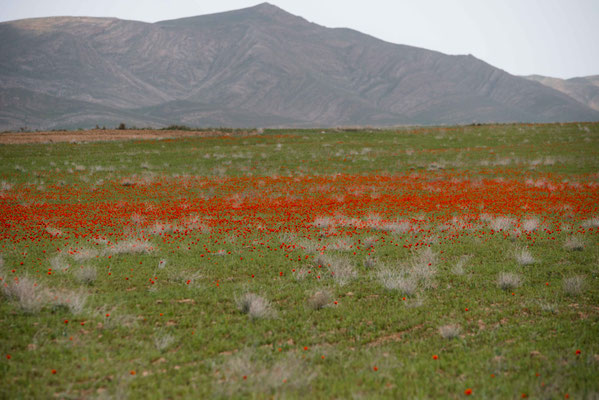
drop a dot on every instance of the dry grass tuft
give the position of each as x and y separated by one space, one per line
501 224
53 231
574 285
394 280
161 227
74 301
242 376
591 223
255 306
369 242
398 227
530 225
422 266
370 262
163 340
508 280
324 222
85 254
524 257
87 275
320 299
458 269
574 243
130 247
450 331
341 269
29 296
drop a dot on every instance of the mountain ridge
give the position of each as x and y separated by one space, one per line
260 66
584 89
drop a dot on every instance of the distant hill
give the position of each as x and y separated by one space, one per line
255 67
584 89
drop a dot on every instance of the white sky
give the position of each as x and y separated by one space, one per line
548 37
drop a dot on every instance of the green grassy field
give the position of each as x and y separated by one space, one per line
417 263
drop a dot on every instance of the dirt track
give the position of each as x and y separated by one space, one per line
98 135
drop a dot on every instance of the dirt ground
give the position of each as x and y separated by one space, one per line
98 135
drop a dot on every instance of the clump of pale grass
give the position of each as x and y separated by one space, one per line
414 302
161 227
422 266
341 269
397 227
395 280
241 375
308 246
87 275
591 223
419 270
341 245
524 257
162 264
508 280
501 224
55 232
449 331
369 242
530 224
58 263
85 254
458 269
255 306
549 307
574 243
5 186
324 222
130 247
163 340
320 299
28 296
574 285
370 262
74 301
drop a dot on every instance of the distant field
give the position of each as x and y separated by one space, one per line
415 263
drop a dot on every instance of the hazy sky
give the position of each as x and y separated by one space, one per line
547 37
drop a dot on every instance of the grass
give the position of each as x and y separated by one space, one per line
303 264
508 280
574 285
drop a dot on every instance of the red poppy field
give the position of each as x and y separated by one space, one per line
415 263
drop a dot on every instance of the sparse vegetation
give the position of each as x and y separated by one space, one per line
28 295
574 243
394 280
451 331
320 299
508 280
87 275
332 266
254 306
574 285
524 257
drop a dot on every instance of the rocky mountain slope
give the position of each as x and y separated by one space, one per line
255 67
584 89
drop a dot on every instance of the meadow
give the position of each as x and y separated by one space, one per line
429 262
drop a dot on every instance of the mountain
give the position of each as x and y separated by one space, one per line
583 89
258 66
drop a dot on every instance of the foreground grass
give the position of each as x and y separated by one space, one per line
420 263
